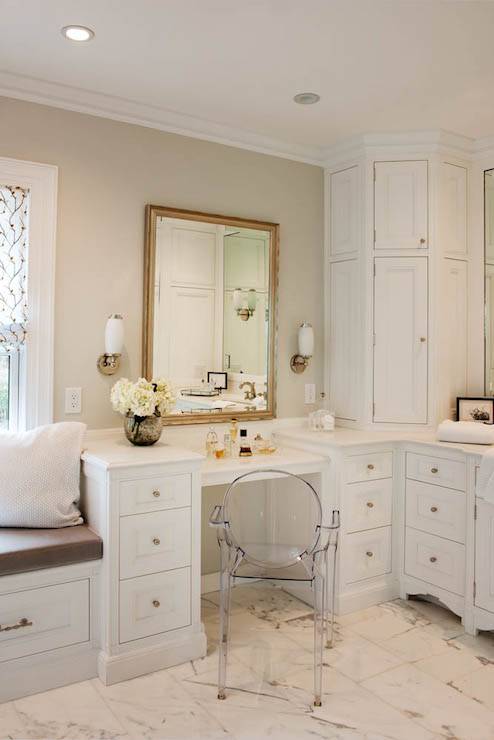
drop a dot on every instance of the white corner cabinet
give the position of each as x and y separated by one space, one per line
397 266
145 503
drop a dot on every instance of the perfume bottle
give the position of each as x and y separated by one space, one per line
233 430
211 442
227 443
245 447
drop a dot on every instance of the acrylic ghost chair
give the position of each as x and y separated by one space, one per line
270 526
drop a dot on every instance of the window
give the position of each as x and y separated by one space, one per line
27 260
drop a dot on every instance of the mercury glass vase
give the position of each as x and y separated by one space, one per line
143 430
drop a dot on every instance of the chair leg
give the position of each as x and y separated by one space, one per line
319 609
330 616
225 592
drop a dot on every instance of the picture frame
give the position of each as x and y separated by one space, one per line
479 409
218 379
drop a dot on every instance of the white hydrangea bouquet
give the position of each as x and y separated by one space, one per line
143 404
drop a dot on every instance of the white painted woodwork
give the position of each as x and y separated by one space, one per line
246 259
190 252
154 542
454 341
142 495
344 211
439 471
367 554
435 560
59 616
368 505
453 194
489 327
192 315
484 556
436 510
401 207
489 216
368 467
343 338
153 604
401 340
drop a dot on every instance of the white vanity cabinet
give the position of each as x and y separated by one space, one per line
146 505
484 564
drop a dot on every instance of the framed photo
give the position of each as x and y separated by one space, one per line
219 380
475 409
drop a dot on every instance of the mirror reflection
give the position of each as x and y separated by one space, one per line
212 300
489 280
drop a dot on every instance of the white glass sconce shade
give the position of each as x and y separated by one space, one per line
114 334
306 340
251 299
238 299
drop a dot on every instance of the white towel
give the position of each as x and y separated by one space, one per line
470 432
485 478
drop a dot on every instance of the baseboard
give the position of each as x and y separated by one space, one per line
354 602
49 670
116 668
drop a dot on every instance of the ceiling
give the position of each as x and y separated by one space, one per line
228 69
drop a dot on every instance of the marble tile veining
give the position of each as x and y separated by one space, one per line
397 671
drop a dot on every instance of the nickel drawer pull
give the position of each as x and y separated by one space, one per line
156 494
369 554
370 504
433 509
433 559
156 541
370 466
156 603
17 626
434 470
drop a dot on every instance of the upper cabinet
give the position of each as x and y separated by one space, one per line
401 205
453 214
344 212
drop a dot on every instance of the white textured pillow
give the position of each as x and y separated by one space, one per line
39 476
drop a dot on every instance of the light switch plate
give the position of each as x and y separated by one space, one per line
310 393
73 400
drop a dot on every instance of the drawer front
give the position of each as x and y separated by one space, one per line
436 470
435 560
367 554
436 510
153 494
368 505
52 617
369 467
153 604
150 543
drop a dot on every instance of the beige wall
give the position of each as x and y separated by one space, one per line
108 171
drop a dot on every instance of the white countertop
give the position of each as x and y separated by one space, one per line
113 450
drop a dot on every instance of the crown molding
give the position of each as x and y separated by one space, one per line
92 103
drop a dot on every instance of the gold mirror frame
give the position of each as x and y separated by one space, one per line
152 214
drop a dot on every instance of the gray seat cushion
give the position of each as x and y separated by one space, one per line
23 550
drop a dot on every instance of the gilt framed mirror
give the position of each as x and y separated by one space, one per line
210 285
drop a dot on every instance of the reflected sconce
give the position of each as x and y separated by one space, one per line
109 363
244 303
299 362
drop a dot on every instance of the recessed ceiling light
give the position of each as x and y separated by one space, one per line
307 98
77 33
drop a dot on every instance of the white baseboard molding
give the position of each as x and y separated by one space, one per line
116 668
35 673
354 602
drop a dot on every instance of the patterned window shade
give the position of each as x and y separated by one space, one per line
14 235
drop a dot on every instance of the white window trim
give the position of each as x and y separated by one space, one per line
36 381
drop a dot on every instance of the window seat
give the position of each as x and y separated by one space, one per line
23 550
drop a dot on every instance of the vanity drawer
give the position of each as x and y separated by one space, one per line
367 554
436 510
152 494
56 616
437 470
153 604
150 543
435 560
368 467
368 505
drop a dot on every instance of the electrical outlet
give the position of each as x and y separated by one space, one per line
310 393
73 400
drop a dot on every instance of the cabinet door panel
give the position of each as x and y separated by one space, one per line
344 211
484 556
453 209
400 352
400 201
343 338
454 346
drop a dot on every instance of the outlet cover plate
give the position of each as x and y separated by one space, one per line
310 393
73 400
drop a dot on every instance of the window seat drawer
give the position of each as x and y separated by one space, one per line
54 616
367 554
436 510
153 604
360 468
437 470
368 505
435 560
150 543
154 494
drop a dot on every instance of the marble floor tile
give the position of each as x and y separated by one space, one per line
479 685
383 628
11 725
481 646
359 659
449 665
435 706
416 644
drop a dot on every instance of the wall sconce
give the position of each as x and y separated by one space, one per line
109 363
299 362
244 303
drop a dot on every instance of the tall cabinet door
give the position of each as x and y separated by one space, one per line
400 202
484 556
344 338
400 351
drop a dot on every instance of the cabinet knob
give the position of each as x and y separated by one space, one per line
434 470
156 603
156 541
156 494
370 504
423 339
422 241
433 559
369 554
370 466
433 509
